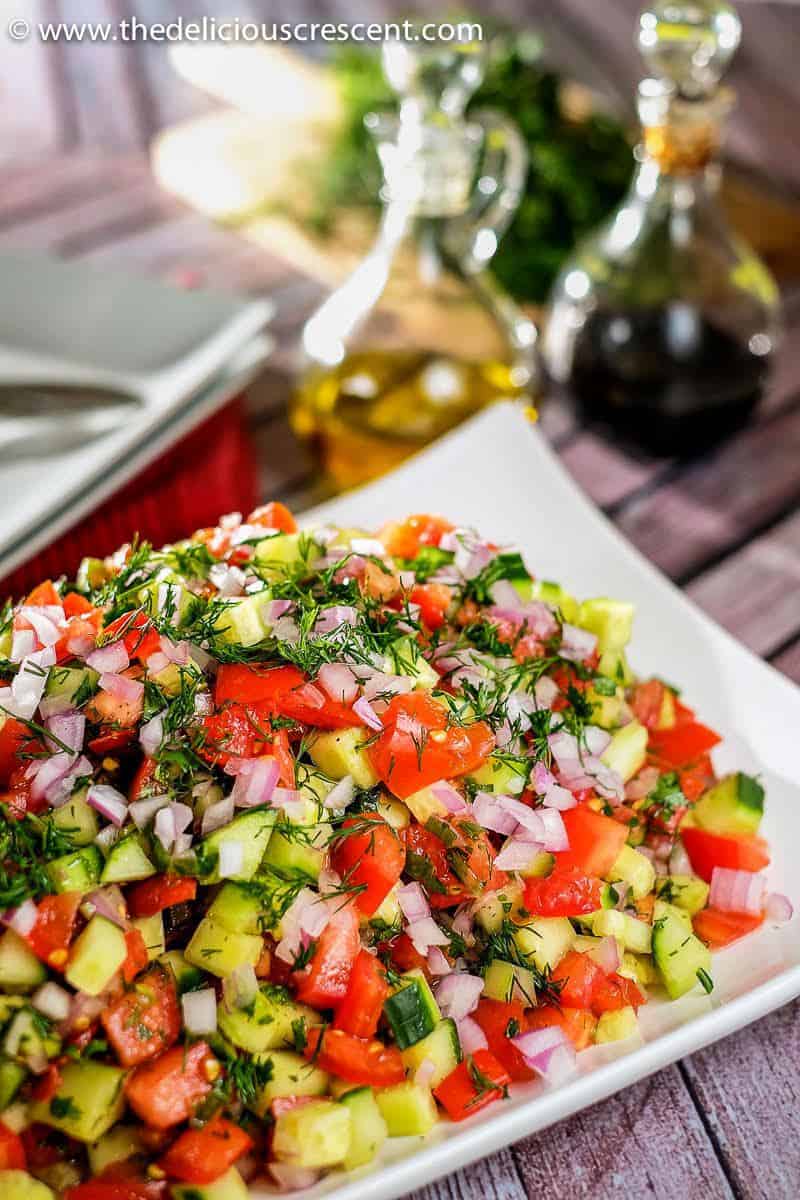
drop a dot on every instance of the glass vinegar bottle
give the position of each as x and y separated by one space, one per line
420 336
663 323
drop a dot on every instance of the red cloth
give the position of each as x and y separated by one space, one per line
210 472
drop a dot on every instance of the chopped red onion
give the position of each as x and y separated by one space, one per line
505 595
596 739
622 890
462 921
379 684
45 627
50 771
425 1072
736 891
490 814
21 919
109 902
576 644
366 712
164 827
778 908
368 547
341 794
458 994
291 801
339 682
79 647
203 704
560 798
23 643
537 1042
438 964
286 629
471 1035
426 933
545 692
314 919
332 617
533 618
447 795
143 811
255 781
121 687
228 580
679 861
55 706
151 735
275 609
157 662
216 815
606 954
106 838
407 579
53 1001
110 659
642 785
413 902
200 1011
292 1178
231 859
182 845
108 802
517 855
240 988
290 944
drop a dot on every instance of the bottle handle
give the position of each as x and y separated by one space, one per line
503 171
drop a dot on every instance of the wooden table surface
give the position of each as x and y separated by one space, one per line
75 124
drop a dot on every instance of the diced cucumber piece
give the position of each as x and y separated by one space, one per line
411 1011
266 1024
388 915
187 977
640 968
553 594
492 908
20 969
239 907
78 871
219 950
127 861
12 1076
119 1144
634 934
252 830
77 818
75 684
26 1038
88 1100
508 981
315 1135
616 1026
540 866
368 1129
684 891
341 752
677 952
733 806
229 1186
8 1006
152 930
626 753
300 849
283 553
636 870
19 1185
393 811
404 658
242 621
501 775
291 1075
544 940
173 678
606 710
610 620
442 1047
96 956
424 805
408 1109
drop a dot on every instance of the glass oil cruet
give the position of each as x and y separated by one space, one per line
420 335
663 323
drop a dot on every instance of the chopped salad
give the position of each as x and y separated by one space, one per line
314 838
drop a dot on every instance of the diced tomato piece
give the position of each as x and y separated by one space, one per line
565 892
76 605
709 850
144 780
322 983
697 778
405 539
47 1084
113 741
477 1081
501 1020
470 850
647 702
576 974
718 929
433 599
153 895
578 1024
233 732
282 690
167 1090
144 1021
368 854
202 1155
12 1151
121 1181
360 1010
284 758
138 636
356 1060
13 735
273 516
50 937
612 992
595 841
418 746
43 594
682 745
405 956
137 958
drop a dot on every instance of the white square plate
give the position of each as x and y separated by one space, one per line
498 474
